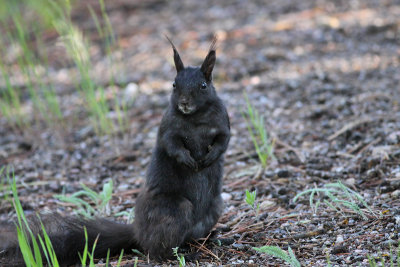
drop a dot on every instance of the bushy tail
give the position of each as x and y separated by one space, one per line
68 238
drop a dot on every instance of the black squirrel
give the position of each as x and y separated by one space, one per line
181 198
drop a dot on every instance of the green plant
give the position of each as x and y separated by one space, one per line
180 258
138 253
107 34
35 70
256 128
275 251
130 215
101 200
328 259
372 261
339 197
36 246
86 254
78 48
391 255
3 186
43 97
398 253
10 103
28 242
251 200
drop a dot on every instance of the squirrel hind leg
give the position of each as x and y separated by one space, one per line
163 223
207 220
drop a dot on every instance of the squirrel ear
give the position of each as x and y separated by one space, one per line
177 59
209 62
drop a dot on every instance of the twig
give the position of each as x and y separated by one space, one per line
308 234
350 126
206 250
205 239
289 147
377 140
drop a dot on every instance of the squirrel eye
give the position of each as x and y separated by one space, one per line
174 85
203 85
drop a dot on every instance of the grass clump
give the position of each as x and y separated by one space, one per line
338 197
101 200
180 258
78 49
251 201
10 104
36 248
33 65
275 251
106 33
32 247
256 127
33 70
372 260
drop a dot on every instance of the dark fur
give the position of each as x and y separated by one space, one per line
181 198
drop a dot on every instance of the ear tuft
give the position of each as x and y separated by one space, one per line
209 62
213 45
177 59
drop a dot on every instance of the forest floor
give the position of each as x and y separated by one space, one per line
325 75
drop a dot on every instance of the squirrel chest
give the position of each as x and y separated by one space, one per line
198 138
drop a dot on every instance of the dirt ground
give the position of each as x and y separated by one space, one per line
325 75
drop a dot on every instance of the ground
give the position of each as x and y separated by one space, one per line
325 76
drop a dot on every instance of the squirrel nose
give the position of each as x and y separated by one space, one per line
184 101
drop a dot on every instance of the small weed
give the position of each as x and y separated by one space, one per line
32 252
130 215
36 246
256 128
372 262
339 197
391 255
372 259
78 48
10 104
251 200
328 259
107 34
85 208
275 251
138 253
34 67
180 258
43 97
398 253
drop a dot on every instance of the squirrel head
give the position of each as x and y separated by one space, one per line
193 89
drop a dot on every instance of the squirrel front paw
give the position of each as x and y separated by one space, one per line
186 159
209 159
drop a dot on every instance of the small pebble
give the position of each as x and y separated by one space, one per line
396 193
339 249
282 191
131 91
350 182
226 196
339 239
393 138
283 173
